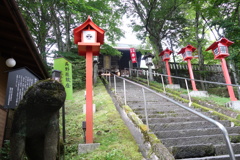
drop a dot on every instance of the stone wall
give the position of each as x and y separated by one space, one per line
211 73
208 75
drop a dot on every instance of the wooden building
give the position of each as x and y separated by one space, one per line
17 43
119 64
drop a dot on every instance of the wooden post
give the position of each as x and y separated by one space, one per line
191 75
89 98
169 73
228 80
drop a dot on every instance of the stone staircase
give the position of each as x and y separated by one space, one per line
186 135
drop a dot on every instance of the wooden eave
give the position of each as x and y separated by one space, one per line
166 50
16 41
188 46
223 40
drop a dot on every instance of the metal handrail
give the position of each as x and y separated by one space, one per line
219 125
192 79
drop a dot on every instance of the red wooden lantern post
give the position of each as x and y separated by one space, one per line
89 37
165 57
220 51
187 56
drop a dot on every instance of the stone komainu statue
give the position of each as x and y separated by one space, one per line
35 127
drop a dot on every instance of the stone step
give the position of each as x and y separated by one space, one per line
193 132
203 152
154 107
138 96
166 115
201 139
175 119
186 125
192 151
221 157
163 110
164 104
170 114
221 149
172 125
158 108
177 112
159 111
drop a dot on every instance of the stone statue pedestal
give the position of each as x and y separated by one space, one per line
234 105
199 94
173 86
86 148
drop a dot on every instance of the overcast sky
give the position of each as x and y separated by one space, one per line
130 37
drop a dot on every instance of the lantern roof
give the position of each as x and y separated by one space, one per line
166 50
187 47
88 24
223 41
148 55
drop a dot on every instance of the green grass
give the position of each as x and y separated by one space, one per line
116 141
215 99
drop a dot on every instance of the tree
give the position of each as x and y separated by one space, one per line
225 20
38 21
51 23
107 49
158 20
197 33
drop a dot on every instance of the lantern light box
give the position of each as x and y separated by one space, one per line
166 54
166 57
220 48
148 59
187 52
88 36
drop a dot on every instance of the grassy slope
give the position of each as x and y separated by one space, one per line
116 142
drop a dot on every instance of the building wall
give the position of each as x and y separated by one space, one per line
3 115
3 85
3 80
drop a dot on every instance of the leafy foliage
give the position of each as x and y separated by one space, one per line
176 23
5 151
224 18
167 23
106 49
51 23
158 20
